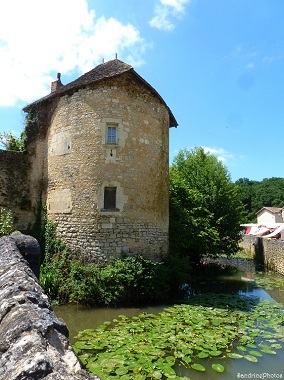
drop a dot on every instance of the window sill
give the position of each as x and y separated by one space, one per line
110 209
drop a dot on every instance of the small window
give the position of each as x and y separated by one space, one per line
112 134
110 198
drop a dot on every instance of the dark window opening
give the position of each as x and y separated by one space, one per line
110 198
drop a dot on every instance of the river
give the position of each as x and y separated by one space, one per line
268 366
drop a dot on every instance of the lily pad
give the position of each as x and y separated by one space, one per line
218 368
234 355
215 353
276 345
203 355
255 353
251 358
198 367
241 348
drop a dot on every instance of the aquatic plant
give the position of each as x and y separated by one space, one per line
200 336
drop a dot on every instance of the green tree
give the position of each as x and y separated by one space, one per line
205 208
10 142
257 194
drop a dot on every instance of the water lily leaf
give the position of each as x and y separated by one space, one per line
251 358
83 346
268 351
203 355
121 371
255 353
198 367
241 348
156 375
215 353
218 367
276 345
187 359
251 345
234 355
169 372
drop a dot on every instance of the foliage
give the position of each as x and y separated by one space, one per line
125 281
205 210
151 346
257 194
11 142
6 221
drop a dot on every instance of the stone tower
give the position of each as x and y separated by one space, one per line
100 162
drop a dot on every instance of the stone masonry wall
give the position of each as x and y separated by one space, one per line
80 164
33 341
15 186
270 252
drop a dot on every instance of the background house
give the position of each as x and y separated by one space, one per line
268 215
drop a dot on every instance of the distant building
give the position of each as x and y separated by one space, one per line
269 215
269 224
98 157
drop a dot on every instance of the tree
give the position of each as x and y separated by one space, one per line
10 142
257 194
205 208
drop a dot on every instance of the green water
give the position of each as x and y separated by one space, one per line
268 366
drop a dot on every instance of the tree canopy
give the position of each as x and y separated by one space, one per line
10 142
257 194
205 208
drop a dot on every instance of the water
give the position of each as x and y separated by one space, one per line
269 366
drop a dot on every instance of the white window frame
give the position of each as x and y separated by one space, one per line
112 122
112 133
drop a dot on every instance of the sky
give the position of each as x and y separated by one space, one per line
218 64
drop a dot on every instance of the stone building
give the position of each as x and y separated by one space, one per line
98 156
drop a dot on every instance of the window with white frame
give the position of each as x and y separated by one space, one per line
111 137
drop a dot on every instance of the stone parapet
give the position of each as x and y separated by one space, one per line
33 341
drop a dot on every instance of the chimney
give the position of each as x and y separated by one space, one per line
56 84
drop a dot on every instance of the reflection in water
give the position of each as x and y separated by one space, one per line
79 318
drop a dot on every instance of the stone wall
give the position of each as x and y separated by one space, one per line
15 186
33 341
270 252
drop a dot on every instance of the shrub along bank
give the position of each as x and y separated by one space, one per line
127 281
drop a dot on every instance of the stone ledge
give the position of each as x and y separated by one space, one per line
33 341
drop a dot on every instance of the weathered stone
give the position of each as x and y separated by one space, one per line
71 162
33 341
269 252
30 250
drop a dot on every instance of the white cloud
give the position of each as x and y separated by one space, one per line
220 153
177 5
165 11
39 38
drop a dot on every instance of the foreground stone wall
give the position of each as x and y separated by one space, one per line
33 341
270 252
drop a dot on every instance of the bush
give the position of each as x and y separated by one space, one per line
125 281
6 222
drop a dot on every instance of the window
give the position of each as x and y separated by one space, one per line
110 198
112 134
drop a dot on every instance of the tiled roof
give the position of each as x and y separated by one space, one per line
273 210
103 71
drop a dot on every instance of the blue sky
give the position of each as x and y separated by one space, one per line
218 64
